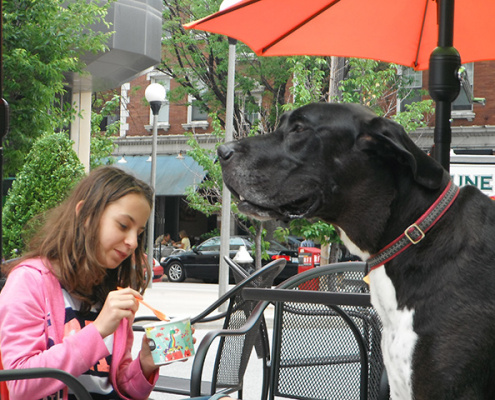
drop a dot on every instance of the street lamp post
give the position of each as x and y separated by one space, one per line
223 269
155 94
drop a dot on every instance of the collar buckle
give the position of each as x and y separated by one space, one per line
414 234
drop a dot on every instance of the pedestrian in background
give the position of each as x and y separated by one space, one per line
184 243
307 243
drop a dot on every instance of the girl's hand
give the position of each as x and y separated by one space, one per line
119 304
146 359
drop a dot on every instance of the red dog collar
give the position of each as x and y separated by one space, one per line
417 231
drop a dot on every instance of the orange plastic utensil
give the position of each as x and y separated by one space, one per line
159 314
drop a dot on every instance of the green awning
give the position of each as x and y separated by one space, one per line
173 175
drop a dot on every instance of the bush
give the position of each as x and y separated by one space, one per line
51 170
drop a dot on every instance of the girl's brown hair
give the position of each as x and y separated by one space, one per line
71 244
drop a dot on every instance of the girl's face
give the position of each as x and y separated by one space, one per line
120 225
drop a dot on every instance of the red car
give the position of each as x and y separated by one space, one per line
157 269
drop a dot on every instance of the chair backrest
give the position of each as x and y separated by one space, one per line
234 350
262 345
230 363
235 345
326 351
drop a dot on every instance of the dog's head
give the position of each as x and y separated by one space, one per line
322 159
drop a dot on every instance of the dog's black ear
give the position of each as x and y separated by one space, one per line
388 139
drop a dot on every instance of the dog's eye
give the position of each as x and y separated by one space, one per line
298 128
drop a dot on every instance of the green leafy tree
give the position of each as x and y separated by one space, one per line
42 41
416 115
309 82
102 142
207 195
378 85
198 61
51 170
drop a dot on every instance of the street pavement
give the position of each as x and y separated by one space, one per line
187 299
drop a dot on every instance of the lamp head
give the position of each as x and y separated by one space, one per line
155 94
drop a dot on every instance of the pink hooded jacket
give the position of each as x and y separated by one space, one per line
32 313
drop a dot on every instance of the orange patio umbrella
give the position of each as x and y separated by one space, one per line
399 31
420 34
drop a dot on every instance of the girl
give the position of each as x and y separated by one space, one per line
60 307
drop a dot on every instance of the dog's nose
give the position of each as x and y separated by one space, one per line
225 152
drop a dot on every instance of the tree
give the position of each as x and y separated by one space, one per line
51 170
102 140
198 61
378 85
42 41
207 195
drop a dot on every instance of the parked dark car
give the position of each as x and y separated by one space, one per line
202 261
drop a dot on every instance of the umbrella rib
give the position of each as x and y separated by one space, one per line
295 28
421 33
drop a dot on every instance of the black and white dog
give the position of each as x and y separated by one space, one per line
429 245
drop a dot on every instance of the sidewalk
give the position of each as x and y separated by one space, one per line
188 299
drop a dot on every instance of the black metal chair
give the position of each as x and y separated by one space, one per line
233 352
326 336
34 373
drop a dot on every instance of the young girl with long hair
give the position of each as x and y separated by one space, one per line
60 307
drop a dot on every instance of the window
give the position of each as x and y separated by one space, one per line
250 106
197 112
197 116
251 111
414 84
462 107
108 120
236 243
212 244
163 114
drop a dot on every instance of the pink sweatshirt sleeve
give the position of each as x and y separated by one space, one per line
128 376
23 338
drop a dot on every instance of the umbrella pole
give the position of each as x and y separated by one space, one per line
442 135
444 84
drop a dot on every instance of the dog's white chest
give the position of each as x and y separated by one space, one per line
398 338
